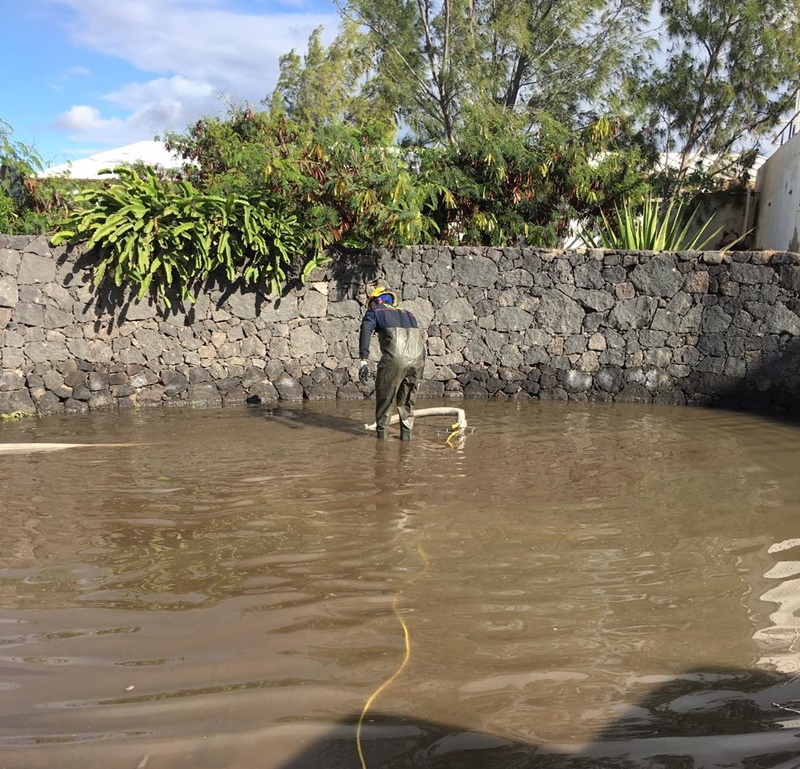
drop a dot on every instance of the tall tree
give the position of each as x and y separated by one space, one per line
731 72
434 58
329 84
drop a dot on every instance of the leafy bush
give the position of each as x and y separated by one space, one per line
503 186
152 232
347 185
18 162
8 213
29 205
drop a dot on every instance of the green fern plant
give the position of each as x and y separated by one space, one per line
152 233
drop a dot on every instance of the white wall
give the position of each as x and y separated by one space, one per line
778 188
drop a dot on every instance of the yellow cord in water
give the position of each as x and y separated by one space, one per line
456 431
406 655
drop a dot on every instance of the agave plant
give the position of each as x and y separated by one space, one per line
649 226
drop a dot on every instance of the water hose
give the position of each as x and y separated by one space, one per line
406 654
19 448
441 411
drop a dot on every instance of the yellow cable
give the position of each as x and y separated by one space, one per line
406 655
456 431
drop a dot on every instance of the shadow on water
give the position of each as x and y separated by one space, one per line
696 720
299 418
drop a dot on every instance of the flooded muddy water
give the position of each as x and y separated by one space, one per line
571 585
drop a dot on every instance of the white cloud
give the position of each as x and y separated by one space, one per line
175 88
164 104
68 75
75 72
194 39
85 120
199 49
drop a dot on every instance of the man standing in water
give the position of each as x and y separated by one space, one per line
402 360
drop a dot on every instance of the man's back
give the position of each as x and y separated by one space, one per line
398 332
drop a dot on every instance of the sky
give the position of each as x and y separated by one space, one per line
84 76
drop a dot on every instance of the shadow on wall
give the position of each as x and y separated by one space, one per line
352 272
702 718
771 387
729 373
120 305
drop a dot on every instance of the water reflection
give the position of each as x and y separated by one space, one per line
779 641
580 583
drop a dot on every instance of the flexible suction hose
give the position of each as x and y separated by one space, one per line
442 411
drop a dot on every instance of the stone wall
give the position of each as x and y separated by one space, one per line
689 328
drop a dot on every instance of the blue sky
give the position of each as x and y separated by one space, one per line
83 76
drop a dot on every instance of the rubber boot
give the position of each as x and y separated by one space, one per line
381 435
405 434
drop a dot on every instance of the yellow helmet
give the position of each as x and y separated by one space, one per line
382 293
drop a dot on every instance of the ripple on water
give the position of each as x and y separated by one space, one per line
588 581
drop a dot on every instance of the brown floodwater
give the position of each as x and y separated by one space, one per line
580 585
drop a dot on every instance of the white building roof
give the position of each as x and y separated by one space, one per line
673 160
152 153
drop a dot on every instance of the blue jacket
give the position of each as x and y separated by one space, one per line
398 334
